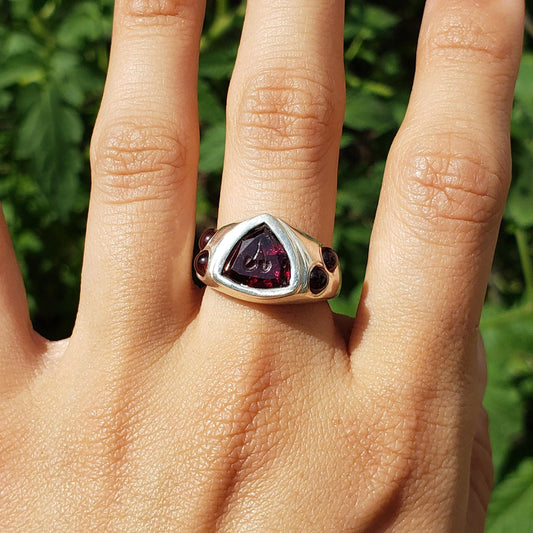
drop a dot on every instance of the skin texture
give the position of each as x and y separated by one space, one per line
174 409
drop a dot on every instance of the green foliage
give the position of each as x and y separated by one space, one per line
53 59
512 502
508 336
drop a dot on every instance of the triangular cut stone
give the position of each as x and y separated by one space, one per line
259 260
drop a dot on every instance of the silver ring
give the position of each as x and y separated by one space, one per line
263 259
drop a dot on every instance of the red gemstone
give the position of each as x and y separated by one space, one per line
200 263
259 260
205 237
330 258
318 280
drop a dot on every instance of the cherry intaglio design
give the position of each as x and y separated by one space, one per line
259 260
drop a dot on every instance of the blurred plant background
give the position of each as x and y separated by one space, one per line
53 59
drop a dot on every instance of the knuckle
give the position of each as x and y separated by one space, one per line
132 162
450 191
460 34
159 12
287 114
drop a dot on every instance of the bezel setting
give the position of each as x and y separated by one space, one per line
304 253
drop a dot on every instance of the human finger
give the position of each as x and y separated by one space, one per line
284 119
136 273
446 181
442 200
285 111
20 343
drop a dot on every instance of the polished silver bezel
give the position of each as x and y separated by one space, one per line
303 253
230 236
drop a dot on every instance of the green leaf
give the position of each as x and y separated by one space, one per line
524 83
74 81
520 199
5 100
367 21
21 70
506 413
209 108
360 195
379 18
507 335
511 507
519 207
212 149
86 22
347 139
19 43
29 242
48 136
346 304
368 112
217 63
21 9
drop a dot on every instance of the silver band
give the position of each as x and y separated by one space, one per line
265 260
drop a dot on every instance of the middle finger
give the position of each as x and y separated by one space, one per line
285 113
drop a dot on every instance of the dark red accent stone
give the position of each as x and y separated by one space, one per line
330 258
200 263
318 280
205 237
259 260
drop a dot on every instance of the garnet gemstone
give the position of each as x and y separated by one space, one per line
259 260
318 280
330 258
205 237
200 263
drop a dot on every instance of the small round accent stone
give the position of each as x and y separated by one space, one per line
200 263
330 258
206 236
318 280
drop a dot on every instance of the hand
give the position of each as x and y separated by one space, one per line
176 409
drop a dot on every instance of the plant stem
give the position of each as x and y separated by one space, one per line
525 261
221 8
222 23
522 312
